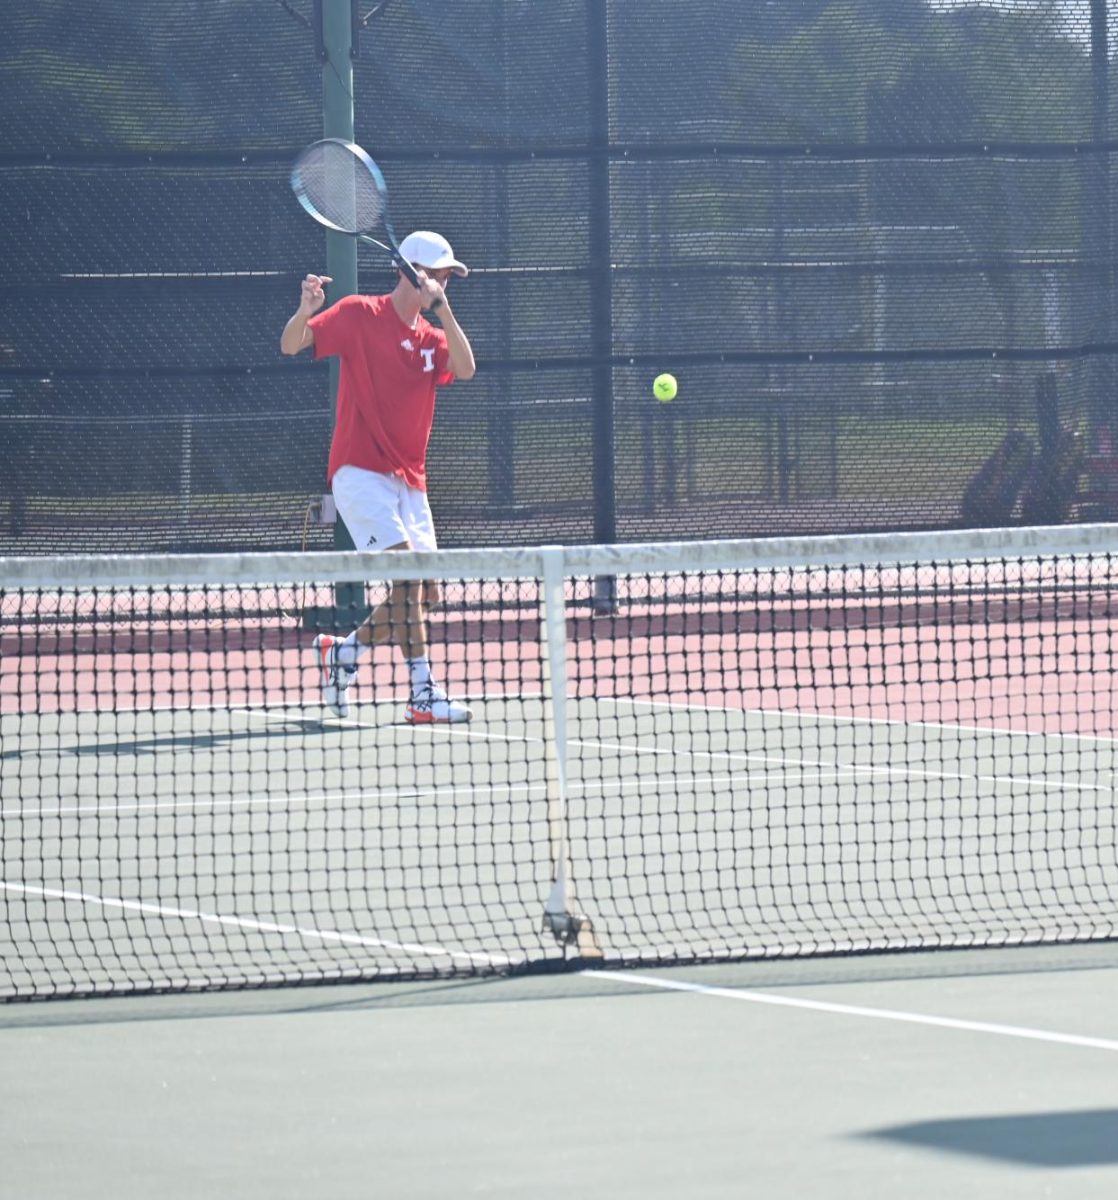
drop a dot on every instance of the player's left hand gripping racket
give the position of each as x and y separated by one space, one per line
343 189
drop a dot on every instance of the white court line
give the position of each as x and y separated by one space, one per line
313 701
785 761
829 771
853 1010
298 704
798 714
310 932
284 800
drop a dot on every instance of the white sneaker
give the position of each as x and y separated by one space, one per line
431 707
335 679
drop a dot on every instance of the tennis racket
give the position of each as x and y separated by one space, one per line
343 189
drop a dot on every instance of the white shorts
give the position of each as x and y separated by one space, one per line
382 510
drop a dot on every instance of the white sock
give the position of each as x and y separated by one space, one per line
419 669
348 652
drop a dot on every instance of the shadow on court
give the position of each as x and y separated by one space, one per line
213 739
1057 1139
210 740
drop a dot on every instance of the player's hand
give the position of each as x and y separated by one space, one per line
312 296
431 293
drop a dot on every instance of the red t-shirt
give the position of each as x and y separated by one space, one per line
386 386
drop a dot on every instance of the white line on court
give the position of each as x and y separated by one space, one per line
829 771
297 705
853 1010
795 714
902 771
374 796
311 932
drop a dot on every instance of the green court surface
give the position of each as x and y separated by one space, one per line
976 1073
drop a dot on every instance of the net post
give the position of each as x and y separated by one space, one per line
561 917
604 601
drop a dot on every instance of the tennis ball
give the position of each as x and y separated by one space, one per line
664 387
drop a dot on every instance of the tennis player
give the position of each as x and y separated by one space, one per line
392 360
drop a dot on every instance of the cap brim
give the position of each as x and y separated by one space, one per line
459 269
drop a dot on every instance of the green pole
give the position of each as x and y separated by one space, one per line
334 37
337 122
1099 235
600 248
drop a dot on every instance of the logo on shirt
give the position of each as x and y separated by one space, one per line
427 353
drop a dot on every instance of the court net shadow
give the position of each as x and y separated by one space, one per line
1057 1139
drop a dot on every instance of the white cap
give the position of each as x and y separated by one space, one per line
426 249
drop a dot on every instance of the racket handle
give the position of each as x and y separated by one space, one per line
407 269
411 276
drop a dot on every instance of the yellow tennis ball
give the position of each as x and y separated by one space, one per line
664 387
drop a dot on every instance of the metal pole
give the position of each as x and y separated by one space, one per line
780 401
500 421
333 32
1098 223
601 288
336 41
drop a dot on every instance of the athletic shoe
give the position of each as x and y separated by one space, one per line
431 707
335 679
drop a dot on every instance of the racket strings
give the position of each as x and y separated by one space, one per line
337 185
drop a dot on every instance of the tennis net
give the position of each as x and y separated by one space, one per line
680 752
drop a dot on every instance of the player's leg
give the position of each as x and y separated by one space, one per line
367 503
429 702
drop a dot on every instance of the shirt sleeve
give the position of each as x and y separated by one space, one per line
331 327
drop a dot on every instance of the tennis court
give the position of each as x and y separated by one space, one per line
770 865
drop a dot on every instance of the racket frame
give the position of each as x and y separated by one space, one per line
392 246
